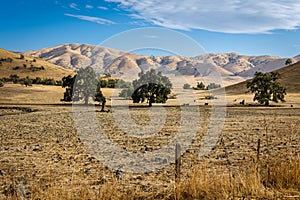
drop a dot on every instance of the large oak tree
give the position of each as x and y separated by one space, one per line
266 88
151 86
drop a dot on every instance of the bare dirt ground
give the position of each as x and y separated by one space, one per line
40 148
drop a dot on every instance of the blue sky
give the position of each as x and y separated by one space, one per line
250 27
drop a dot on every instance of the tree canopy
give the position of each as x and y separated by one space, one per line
151 86
27 81
83 86
266 88
288 61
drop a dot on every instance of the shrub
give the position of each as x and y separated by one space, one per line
37 80
213 86
27 81
200 86
16 68
126 92
186 86
14 78
49 81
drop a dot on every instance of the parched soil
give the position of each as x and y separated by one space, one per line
45 149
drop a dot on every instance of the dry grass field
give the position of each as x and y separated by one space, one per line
42 156
29 66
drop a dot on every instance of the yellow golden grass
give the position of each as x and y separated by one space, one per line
276 175
50 70
289 78
199 183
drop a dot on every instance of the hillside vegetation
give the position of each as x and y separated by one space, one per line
18 64
289 78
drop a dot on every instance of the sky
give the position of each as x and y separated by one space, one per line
248 27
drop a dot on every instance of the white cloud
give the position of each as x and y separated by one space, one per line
91 19
89 6
74 6
229 16
102 8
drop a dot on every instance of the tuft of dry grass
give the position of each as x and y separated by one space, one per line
247 183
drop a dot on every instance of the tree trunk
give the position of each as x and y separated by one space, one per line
267 103
86 100
102 106
151 100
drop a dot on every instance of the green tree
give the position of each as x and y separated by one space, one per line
37 80
186 86
266 88
100 97
27 81
14 78
68 83
213 86
200 86
151 86
103 83
288 61
83 86
126 92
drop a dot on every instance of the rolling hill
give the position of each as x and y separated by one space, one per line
232 67
13 63
289 78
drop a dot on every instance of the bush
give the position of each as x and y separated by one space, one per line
6 60
16 68
111 83
27 81
14 78
126 92
122 84
33 68
213 86
1 83
186 86
59 83
49 81
200 86
37 80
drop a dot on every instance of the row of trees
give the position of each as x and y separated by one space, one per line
154 87
150 86
114 83
29 81
202 86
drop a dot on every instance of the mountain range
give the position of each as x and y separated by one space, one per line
232 67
